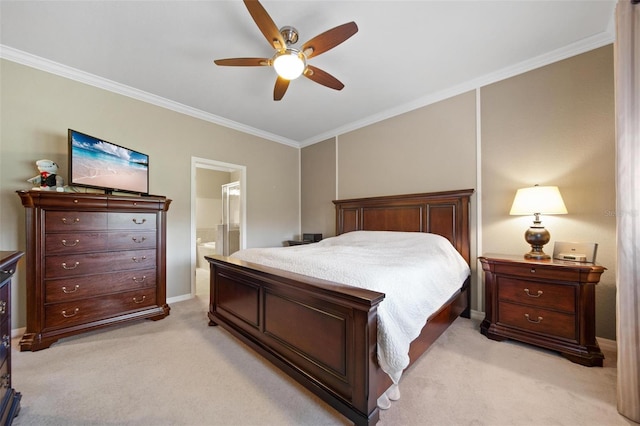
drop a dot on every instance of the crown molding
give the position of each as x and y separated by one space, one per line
574 49
65 71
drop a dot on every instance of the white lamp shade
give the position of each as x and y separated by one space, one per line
538 199
289 64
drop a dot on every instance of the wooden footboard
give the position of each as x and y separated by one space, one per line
320 333
324 334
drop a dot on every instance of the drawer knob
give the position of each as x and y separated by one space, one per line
533 270
67 222
75 265
135 259
139 280
136 300
68 244
72 314
67 291
526 290
138 240
6 340
538 321
3 307
139 222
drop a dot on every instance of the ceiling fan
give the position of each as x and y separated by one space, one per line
288 61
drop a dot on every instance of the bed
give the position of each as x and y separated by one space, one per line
331 347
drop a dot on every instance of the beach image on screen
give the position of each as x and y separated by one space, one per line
103 164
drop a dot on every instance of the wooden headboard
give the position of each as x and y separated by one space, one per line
443 213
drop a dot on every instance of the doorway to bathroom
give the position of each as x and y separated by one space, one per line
217 215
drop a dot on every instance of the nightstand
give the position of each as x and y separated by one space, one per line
548 303
297 242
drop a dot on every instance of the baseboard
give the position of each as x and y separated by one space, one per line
18 332
180 298
607 344
477 315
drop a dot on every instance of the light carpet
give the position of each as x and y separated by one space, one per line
180 371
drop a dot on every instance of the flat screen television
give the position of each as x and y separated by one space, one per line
96 163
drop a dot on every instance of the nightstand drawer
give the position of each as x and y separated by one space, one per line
538 320
533 271
551 296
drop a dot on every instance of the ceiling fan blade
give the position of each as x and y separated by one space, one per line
322 77
265 24
280 88
329 39
243 62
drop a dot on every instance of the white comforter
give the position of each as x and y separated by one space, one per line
418 272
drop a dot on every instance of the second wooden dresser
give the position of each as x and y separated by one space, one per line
93 260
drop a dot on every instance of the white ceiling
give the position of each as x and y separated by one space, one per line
406 54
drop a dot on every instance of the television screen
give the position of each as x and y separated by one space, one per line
96 163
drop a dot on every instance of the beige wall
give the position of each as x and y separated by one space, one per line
553 125
38 107
318 186
411 153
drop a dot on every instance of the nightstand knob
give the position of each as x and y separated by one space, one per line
526 290
533 270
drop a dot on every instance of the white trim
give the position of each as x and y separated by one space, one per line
574 49
607 344
300 193
337 176
180 298
61 70
577 48
479 272
477 315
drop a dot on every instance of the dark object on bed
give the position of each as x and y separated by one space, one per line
331 346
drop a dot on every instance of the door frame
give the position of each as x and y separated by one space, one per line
205 163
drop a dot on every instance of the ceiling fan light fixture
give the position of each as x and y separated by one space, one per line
289 63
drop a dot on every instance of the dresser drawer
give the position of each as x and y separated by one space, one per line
5 340
5 380
71 221
67 314
70 201
82 287
537 320
75 242
132 221
534 271
551 296
130 240
63 266
138 204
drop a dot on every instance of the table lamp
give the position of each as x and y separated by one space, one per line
538 200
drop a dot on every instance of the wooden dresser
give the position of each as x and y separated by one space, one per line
93 260
548 303
10 402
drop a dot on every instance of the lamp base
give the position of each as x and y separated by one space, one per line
537 236
537 255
